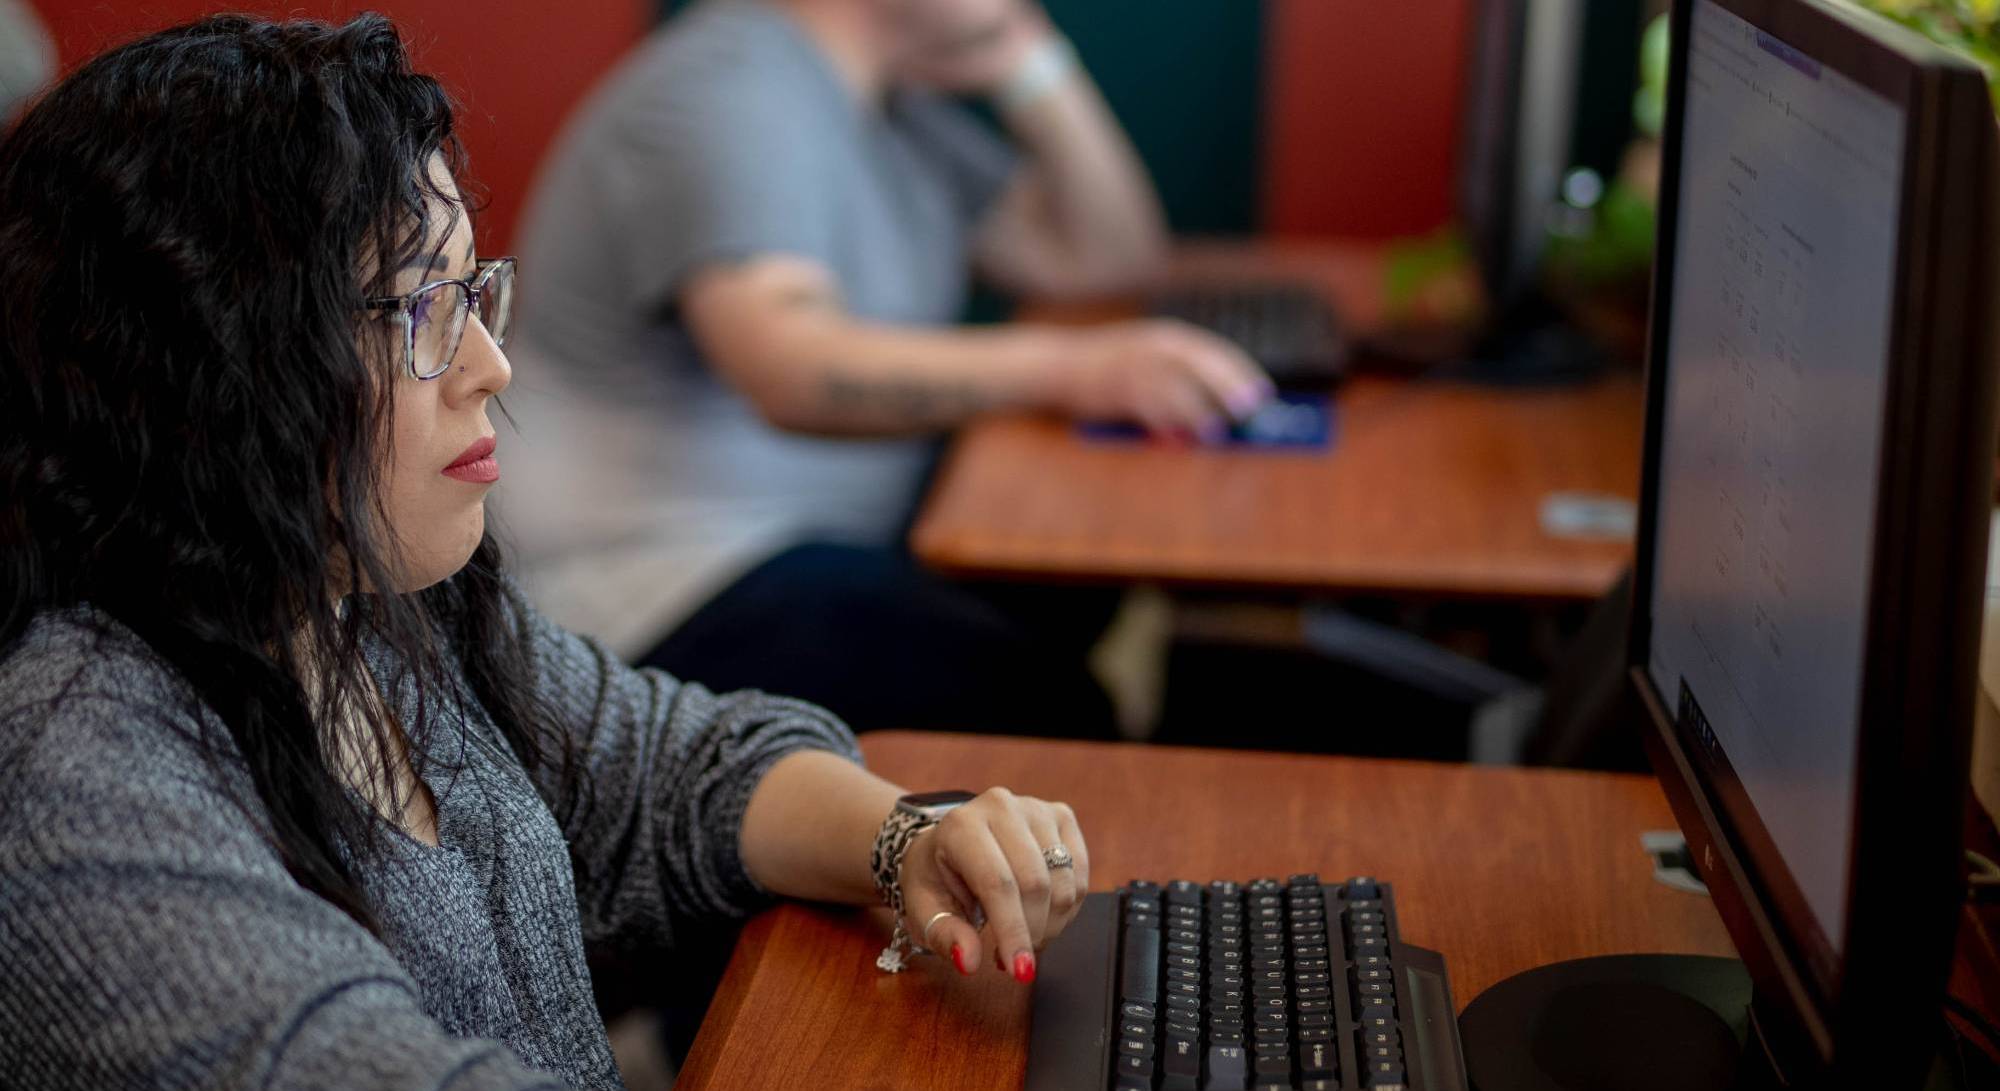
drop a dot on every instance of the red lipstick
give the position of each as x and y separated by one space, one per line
476 463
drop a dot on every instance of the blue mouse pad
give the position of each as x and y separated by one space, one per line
1290 422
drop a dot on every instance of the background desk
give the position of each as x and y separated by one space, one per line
1429 488
1500 869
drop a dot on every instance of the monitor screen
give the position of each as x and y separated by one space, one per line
1777 355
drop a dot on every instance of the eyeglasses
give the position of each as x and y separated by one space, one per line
433 316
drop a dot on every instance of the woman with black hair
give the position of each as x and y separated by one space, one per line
295 789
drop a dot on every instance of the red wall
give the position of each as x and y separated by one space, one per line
516 67
1362 96
1362 101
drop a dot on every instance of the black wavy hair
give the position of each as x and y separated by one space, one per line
194 410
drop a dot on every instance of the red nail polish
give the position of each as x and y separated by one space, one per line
1024 968
958 958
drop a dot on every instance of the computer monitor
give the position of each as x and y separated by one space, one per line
1547 115
1811 554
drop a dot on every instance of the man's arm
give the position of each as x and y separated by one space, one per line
1080 217
774 329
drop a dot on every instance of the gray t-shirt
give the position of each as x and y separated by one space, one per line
150 936
644 483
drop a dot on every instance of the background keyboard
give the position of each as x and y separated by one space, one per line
1260 986
1290 329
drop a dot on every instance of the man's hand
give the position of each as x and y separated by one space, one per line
1176 380
987 856
968 46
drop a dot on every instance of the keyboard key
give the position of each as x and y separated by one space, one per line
1273 1067
1318 1060
1361 886
1265 886
1135 1047
1134 1009
1305 878
1180 1059
1223 888
1140 977
1132 1028
1315 1034
1228 1068
1382 1074
1183 892
1138 1069
1312 992
1142 886
1370 1038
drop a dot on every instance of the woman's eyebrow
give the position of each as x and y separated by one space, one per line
437 262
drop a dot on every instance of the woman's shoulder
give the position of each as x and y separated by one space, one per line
80 657
82 695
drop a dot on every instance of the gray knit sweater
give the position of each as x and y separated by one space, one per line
150 937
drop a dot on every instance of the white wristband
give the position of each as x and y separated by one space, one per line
1044 69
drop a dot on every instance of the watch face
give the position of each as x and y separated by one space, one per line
930 801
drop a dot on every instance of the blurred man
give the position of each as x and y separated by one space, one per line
27 57
746 254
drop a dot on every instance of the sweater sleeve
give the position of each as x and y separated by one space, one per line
151 938
664 770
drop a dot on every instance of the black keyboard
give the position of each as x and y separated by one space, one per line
1260 986
1289 329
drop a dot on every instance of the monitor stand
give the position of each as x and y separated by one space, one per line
1527 344
1633 1022
1530 343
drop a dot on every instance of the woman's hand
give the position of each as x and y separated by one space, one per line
987 856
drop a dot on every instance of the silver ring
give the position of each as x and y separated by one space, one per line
1057 856
929 924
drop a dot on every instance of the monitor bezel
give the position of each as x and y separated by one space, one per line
1904 863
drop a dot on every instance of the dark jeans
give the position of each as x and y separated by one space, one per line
883 643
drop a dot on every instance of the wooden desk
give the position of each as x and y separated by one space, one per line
1429 488
1499 869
